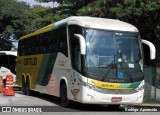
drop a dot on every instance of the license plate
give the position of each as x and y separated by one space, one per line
116 99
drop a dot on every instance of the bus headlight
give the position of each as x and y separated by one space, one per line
140 87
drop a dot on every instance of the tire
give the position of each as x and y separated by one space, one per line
23 86
28 90
63 95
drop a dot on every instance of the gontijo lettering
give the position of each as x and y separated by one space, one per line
30 61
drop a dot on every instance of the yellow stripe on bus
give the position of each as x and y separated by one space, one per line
42 30
107 85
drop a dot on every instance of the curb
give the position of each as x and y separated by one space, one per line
143 108
157 106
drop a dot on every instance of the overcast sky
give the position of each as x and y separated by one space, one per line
33 2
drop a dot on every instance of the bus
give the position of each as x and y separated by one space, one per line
80 59
7 65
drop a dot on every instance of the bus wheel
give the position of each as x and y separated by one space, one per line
23 86
63 94
28 90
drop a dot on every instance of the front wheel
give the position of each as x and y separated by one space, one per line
63 95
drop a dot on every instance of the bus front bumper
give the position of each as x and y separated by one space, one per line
94 97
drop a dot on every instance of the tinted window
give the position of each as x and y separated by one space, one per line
52 41
75 46
4 61
8 61
12 61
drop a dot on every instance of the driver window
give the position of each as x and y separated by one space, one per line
75 47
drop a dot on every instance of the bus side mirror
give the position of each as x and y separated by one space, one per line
152 49
82 43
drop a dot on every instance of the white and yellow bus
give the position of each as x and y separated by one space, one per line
80 59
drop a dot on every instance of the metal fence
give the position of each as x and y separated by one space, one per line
152 82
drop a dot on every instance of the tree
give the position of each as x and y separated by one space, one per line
40 16
67 8
14 22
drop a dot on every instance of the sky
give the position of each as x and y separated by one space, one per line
33 2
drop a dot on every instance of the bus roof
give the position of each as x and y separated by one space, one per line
9 53
102 23
90 22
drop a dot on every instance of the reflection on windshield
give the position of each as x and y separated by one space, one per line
100 48
112 55
128 47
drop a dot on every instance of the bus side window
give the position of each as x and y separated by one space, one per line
63 41
77 55
4 61
75 47
30 45
52 42
12 61
21 47
37 45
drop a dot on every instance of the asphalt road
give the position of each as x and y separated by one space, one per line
51 105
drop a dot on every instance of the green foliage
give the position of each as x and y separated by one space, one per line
14 22
151 101
18 19
90 9
66 8
134 8
40 16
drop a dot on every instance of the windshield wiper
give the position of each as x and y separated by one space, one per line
110 66
125 68
103 66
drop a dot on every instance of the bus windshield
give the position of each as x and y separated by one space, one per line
8 61
113 56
